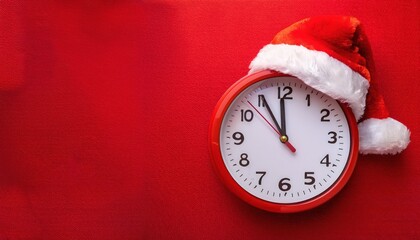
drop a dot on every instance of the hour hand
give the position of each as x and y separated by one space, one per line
282 116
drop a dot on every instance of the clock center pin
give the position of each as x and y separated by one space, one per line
284 138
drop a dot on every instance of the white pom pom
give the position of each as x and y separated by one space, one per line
383 136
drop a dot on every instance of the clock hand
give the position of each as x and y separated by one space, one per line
282 116
278 130
265 119
283 136
272 116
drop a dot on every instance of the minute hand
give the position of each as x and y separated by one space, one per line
283 133
283 138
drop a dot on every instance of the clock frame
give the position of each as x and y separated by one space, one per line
217 159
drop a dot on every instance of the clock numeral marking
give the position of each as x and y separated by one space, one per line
284 184
308 100
262 175
238 136
287 91
310 179
261 102
333 137
326 160
246 115
326 113
244 160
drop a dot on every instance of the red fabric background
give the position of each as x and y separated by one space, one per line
104 114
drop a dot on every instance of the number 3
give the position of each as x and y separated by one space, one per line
333 137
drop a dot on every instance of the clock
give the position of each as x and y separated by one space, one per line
281 145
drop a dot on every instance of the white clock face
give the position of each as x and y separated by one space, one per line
307 164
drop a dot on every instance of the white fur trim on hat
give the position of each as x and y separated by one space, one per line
382 136
318 70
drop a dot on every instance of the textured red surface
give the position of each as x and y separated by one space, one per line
104 114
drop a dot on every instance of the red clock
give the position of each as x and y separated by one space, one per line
281 145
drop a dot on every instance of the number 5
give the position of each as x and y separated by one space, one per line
310 178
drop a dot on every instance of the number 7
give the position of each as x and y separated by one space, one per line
262 175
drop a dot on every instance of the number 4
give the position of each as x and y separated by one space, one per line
326 160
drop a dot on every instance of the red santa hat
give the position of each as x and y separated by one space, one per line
332 55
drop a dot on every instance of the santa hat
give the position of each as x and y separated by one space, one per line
332 55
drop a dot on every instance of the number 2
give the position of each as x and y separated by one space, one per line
326 114
287 91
